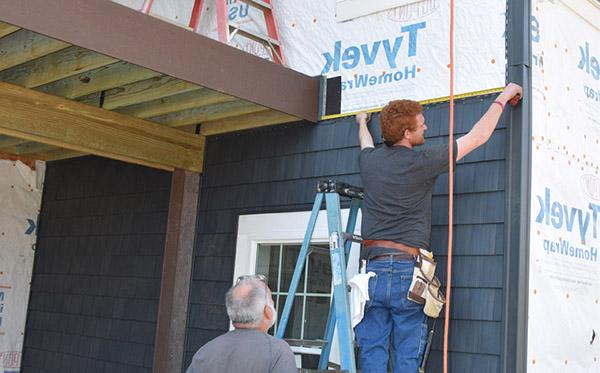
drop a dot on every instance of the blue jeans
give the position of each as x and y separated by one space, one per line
390 318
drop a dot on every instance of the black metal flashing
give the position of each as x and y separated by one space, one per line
516 274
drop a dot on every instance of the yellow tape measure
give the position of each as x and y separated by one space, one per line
422 102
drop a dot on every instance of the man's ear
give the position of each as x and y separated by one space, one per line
268 312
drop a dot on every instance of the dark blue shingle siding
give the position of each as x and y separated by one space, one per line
96 279
275 169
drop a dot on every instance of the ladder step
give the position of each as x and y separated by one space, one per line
260 38
306 342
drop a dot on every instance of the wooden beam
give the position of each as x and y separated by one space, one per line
55 66
128 35
6 29
176 272
44 118
175 103
146 90
207 113
24 45
102 79
56 154
37 150
260 119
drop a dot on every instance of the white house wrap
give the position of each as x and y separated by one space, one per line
20 199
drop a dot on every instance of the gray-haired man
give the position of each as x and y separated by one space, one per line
248 348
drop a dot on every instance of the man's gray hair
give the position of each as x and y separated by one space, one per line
246 307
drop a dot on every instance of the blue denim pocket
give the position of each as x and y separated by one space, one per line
372 287
407 303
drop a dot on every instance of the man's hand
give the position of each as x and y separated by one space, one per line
512 94
482 130
363 118
364 137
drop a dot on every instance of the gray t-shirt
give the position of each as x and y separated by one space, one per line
244 351
398 184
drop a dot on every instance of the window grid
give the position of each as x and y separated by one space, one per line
279 293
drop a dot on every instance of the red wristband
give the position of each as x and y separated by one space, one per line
499 103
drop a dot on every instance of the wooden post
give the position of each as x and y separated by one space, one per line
177 272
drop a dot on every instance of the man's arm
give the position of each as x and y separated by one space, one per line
482 130
364 136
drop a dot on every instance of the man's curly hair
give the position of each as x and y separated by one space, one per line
396 117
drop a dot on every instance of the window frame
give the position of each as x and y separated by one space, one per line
285 228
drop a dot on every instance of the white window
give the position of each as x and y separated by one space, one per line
269 244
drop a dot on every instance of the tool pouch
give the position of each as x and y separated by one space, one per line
425 287
434 299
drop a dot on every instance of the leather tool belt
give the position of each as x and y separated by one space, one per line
391 245
425 286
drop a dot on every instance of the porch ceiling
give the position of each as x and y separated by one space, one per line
166 88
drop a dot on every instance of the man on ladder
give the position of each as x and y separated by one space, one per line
396 223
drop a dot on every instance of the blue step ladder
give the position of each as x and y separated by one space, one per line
340 242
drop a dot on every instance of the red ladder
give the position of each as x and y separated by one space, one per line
227 30
146 6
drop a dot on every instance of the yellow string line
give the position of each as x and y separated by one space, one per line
422 102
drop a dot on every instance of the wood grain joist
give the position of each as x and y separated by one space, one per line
207 113
142 91
244 122
55 66
101 79
23 45
43 118
6 29
175 103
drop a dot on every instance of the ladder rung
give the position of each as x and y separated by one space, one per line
263 5
263 39
306 342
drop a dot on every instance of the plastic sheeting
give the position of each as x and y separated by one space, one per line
398 53
20 200
564 273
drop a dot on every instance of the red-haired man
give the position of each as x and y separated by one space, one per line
396 221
